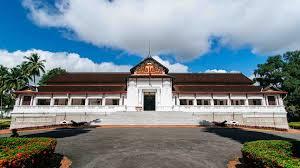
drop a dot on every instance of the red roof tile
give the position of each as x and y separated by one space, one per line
179 78
89 78
210 78
82 88
217 88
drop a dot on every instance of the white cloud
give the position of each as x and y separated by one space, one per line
70 61
220 71
176 67
177 27
73 62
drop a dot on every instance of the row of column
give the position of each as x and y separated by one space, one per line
33 101
264 100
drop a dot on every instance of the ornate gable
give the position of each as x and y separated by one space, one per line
149 66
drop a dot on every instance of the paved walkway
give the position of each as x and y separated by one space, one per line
154 147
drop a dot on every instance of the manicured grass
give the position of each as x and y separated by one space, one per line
295 125
26 152
4 123
272 153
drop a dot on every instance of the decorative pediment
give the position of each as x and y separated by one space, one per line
271 88
149 66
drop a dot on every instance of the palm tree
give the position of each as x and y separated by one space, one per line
25 71
3 72
15 79
34 65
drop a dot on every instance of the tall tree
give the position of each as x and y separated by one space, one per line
15 79
270 72
3 72
283 71
291 82
50 74
34 65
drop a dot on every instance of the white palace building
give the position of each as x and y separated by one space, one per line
149 95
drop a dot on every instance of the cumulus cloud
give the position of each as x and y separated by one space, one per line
176 67
182 28
73 62
220 71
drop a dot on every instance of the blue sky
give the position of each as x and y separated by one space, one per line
18 31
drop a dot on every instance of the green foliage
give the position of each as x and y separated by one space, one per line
25 152
4 123
271 153
50 74
34 65
3 72
295 125
283 71
17 78
270 72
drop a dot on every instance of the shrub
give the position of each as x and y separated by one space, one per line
26 152
295 125
271 153
4 123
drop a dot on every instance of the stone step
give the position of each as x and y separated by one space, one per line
149 118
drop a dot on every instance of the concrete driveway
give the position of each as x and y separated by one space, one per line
154 147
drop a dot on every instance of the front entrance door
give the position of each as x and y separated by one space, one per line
149 101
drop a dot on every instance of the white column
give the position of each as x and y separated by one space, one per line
229 99
33 101
120 100
86 103
280 100
195 100
69 100
140 95
212 100
265 102
21 100
247 101
123 100
159 93
103 100
52 101
17 103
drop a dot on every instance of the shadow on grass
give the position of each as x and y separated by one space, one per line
60 133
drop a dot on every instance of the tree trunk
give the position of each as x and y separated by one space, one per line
1 104
34 80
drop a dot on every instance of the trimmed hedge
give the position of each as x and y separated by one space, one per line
295 125
26 152
271 153
4 123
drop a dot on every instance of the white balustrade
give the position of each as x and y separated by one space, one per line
67 109
235 109
114 108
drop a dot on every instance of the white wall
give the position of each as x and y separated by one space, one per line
137 86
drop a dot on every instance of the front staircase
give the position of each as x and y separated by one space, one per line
149 118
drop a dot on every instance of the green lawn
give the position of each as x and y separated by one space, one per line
295 125
4 123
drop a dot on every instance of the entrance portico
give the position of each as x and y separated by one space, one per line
149 101
149 87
